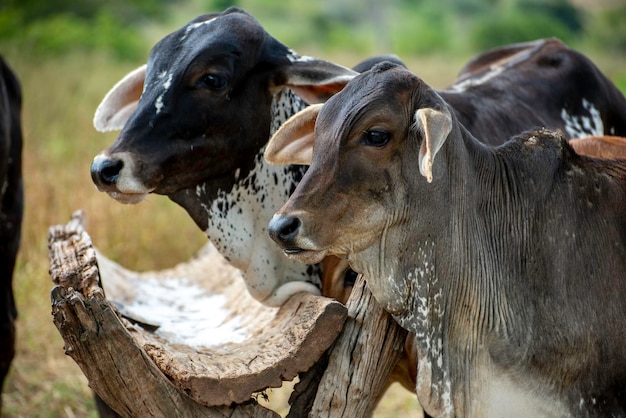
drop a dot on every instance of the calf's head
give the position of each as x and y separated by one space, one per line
201 108
366 143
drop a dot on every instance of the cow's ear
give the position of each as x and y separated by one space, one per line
315 81
293 142
120 102
435 126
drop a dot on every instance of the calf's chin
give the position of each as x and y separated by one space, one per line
307 256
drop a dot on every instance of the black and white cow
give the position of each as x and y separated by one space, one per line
214 91
506 263
11 208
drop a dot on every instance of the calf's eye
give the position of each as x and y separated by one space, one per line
215 82
376 138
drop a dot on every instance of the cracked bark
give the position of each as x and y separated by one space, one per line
138 374
360 360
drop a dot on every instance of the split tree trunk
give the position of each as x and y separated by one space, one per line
347 381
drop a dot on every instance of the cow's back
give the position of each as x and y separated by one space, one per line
542 84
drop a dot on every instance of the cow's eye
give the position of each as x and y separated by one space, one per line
213 81
376 138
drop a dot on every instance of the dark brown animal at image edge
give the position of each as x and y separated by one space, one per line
11 208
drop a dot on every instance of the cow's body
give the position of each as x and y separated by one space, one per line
536 84
506 263
11 208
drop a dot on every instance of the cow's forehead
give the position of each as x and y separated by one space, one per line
237 33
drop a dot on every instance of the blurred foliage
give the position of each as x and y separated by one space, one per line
126 11
525 20
514 27
429 26
608 28
62 32
58 26
402 27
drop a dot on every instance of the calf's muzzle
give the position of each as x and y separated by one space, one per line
284 230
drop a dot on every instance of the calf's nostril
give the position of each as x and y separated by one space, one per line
290 227
106 172
284 229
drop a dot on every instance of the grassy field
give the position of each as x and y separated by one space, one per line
60 97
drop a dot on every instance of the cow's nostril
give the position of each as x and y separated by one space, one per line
284 229
105 172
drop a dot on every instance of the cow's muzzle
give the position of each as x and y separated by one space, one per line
287 232
105 172
115 176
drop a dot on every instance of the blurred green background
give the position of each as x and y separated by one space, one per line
68 54
406 27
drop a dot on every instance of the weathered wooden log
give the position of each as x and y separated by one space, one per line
142 373
360 360
139 372
118 369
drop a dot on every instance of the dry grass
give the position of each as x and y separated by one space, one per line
60 97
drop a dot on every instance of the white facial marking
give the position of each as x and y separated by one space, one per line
578 126
195 26
158 103
168 82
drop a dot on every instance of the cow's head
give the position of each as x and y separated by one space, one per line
369 141
201 108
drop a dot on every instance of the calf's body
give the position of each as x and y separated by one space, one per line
506 263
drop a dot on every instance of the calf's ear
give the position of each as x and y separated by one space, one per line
314 80
293 142
435 126
120 102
